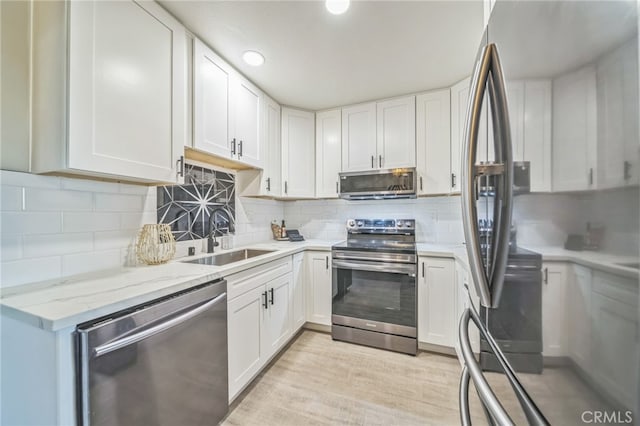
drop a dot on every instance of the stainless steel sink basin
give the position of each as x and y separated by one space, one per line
230 257
635 265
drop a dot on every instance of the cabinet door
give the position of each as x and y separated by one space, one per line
319 287
396 138
554 320
537 133
436 302
298 163
245 116
631 113
245 315
459 100
277 326
298 292
328 152
433 142
126 90
272 152
579 318
463 297
574 131
211 82
515 102
359 148
615 348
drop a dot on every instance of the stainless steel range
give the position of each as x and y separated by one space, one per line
374 285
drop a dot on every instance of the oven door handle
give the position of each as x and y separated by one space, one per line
392 268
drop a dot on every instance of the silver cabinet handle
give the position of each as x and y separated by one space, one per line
380 161
420 183
453 180
627 170
591 176
326 263
546 275
233 146
488 274
372 161
181 166
239 149
285 187
269 184
134 338
337 188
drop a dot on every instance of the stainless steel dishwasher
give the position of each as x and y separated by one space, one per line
161 363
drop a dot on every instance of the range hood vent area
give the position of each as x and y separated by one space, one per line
380 184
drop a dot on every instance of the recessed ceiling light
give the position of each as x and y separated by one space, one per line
337 7
253 58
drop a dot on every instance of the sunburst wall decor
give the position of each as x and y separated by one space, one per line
188 208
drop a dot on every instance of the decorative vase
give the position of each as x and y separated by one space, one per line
155 244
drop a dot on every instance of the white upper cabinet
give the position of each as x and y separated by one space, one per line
108 90
359 147
298 149
459 101
328 152
379 135
433 142
227 110
574 131
396 141
537 133
272 175
245 116
617 97
211 98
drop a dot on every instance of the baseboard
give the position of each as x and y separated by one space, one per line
430 347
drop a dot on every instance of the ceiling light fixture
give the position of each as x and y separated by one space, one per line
337 7
253 58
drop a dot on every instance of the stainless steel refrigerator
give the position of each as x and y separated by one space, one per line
554 93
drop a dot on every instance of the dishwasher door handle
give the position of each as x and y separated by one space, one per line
134 338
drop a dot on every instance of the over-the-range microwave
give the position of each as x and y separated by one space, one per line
378 184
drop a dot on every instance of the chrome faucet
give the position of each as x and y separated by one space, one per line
211 239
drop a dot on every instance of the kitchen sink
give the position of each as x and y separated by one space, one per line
635 265
230 257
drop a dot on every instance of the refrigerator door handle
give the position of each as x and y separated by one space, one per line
488 73
489 400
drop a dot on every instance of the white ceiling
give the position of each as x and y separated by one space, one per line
316 60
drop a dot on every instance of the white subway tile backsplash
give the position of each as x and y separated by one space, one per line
90 221
93 261
10 247
56 244
30 223
30 270
29 180
114 239
38 199
136 189
119 202
11 198
74 184
134 221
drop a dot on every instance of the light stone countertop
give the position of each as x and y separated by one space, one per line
64 302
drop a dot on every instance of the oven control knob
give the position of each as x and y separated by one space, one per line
360 223
408 224
351 223
399 224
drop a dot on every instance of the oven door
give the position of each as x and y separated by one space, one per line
375 296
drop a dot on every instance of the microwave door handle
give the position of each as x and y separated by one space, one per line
503 170
469 177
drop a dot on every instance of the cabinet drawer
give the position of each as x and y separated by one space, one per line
244 281
619 288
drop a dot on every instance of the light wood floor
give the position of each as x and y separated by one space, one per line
318 381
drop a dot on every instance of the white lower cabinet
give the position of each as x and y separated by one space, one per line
259 320
298 292
579 318
554 321
614 328
319 288
436 301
